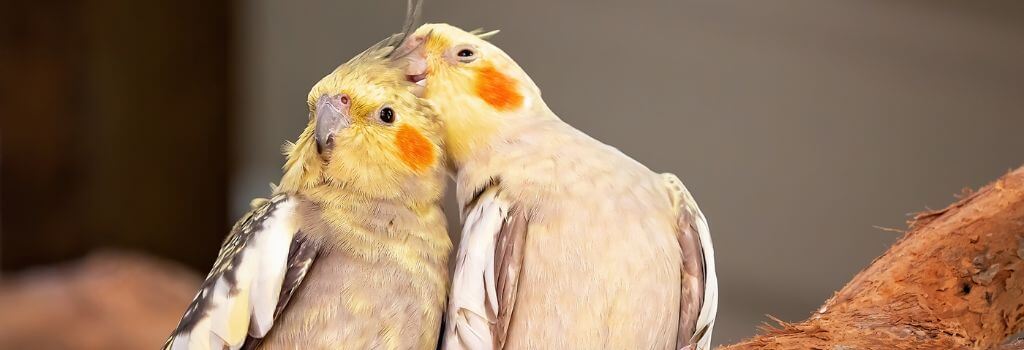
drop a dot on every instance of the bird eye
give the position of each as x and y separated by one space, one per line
387 115
465 53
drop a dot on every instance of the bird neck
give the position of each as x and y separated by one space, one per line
424 190
371 227
475 131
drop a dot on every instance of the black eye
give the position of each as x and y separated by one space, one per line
387 115
465 53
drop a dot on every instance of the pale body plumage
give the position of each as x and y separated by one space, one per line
601 248
568 243
379 280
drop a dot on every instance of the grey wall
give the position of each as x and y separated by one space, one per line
799 125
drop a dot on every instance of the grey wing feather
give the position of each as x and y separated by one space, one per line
260 264
698 304
300 259
508 263
486 277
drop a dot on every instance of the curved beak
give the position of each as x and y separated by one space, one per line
332 115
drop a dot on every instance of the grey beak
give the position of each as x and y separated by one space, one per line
332 115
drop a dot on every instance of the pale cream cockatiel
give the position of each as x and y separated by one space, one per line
352 250
567 242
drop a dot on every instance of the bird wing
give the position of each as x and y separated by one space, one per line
261 263
698 303
486 274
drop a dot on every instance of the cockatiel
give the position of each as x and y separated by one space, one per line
567 242
351 251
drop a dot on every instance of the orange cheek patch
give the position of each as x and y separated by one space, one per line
414 149
497 89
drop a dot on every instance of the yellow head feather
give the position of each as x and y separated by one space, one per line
476 88
381 159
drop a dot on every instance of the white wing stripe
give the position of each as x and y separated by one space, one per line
241 294
473 303
266 286
709 306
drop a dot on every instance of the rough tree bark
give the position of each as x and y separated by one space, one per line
954 281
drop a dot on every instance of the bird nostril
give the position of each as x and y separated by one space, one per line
344 99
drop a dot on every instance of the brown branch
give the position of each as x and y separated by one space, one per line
951 282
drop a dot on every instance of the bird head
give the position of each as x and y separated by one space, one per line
476 88
368 131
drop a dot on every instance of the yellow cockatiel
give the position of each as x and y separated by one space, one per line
351 251
567 242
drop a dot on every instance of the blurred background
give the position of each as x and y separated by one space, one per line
135 133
